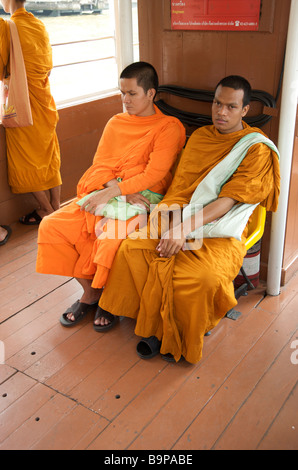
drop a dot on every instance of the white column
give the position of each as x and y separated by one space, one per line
124 33
285 146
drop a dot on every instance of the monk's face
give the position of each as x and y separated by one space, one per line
10 6
135 100
228 110
6 5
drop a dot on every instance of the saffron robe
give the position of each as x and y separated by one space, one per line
141 152
33 153
179 299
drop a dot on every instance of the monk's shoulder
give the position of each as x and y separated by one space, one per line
206 131
34 23
171 126
259 149
3 26
200 135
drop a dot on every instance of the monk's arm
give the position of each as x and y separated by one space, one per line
111 183
161 159
210 212
174 239
4 46
101 198
111 190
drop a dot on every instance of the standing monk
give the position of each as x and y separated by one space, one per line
33 154
178 292
136 153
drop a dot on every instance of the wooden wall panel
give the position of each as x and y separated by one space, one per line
199 59
79 130
290 257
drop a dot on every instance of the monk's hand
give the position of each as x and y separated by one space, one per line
111 183
172 242
100 199
137 199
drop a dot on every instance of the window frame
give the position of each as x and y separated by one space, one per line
122 13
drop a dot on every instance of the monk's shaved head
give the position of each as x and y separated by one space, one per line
144 73
237 83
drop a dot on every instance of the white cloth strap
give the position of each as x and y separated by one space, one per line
233 222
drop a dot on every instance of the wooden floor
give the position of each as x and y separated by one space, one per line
78 389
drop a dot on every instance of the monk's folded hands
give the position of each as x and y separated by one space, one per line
172 241
137 199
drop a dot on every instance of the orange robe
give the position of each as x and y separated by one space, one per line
33 154
139 150
179 299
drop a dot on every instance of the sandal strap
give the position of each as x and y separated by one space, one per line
148 347
32 215
101 313
152 342
77 309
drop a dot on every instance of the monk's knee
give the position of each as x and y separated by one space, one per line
44 226
206 278
48 226
124 250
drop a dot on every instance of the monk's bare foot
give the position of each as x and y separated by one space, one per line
3 233
101 321
104 320
71 317
34 217
87 298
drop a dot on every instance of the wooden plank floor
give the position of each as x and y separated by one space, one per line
78 389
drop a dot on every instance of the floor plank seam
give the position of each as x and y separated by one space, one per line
19 255
10 376
65 395
261 300
250 394
35 301
223 384
276 416
15 259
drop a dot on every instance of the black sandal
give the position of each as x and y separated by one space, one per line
79 311
33 215
100 312
170 358
148 347
8 230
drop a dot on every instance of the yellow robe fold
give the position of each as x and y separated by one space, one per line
33 153
179 299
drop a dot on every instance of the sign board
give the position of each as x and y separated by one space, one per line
222 15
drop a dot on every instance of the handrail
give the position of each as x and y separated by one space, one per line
82 40
89 60
84 61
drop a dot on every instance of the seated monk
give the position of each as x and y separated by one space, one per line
135 154
176 290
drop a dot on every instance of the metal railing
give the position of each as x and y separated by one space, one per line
80 42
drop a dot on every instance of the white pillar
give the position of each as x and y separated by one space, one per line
124 33
285 146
